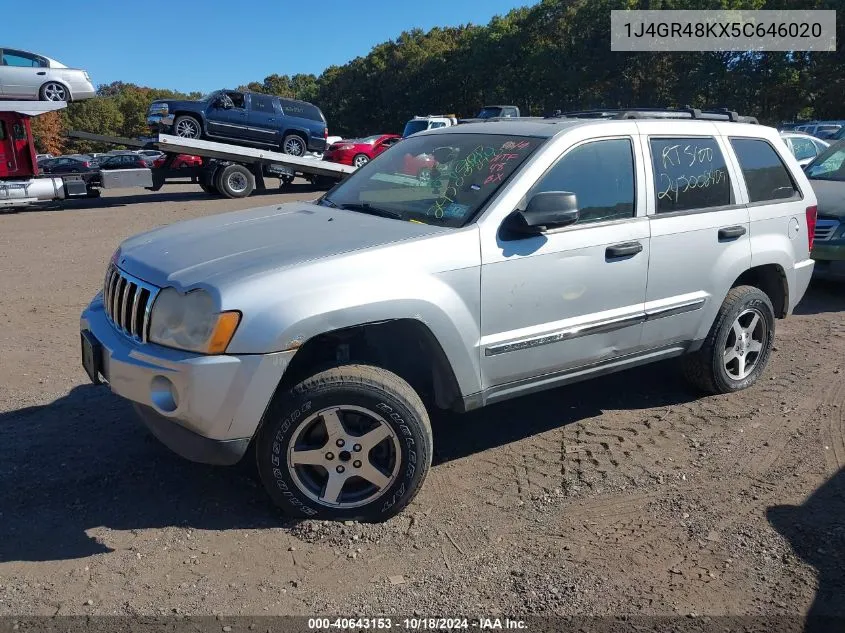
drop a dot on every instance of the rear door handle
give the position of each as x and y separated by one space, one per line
731 232
623 250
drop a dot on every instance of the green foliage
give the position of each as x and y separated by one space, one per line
554 54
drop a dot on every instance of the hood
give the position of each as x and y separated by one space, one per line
231 246
831 197
176 103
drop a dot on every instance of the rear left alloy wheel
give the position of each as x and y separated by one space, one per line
360 160
53 91
352 442
738 346
294 145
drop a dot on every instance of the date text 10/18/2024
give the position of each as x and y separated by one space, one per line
416 624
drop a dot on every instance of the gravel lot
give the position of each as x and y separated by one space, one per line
627 494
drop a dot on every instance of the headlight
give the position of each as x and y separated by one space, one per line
191 322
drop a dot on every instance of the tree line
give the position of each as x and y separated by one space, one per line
552 55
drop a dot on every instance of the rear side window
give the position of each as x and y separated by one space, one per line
689 173
301 109
766 177
262 103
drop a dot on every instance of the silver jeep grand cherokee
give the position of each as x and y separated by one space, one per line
461 267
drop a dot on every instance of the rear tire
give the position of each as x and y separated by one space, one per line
738 346
364 443
235 181
294 145
54 91
360 160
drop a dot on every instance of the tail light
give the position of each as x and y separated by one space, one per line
325 132
811 225
88 164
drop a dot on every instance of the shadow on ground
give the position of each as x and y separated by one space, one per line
816 531
83 461
821 297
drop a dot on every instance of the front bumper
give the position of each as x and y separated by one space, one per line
205 408
159 122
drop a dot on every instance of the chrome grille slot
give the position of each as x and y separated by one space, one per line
825 229
128 302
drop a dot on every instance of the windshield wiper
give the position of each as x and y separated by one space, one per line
366 207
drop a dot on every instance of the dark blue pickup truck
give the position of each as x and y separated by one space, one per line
244 118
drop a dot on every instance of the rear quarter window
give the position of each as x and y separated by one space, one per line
689 173
766 177
302 110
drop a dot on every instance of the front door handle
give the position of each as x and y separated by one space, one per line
731 232
623 250
41 72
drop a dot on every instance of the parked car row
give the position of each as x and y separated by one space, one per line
116 159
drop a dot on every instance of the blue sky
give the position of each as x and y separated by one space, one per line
191 45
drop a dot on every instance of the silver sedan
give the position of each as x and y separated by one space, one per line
29 76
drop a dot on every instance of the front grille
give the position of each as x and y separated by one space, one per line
128 302
825 229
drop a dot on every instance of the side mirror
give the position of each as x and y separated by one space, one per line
549 209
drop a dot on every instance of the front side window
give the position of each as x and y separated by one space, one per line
689 173
441 179
237 98
765 174
600 174
2 130
262 103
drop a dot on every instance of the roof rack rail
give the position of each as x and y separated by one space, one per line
687 112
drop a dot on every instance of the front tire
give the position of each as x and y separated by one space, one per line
349 443
187 127
739 345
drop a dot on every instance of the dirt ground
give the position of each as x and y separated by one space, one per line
627 494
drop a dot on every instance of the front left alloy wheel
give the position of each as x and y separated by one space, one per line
352 442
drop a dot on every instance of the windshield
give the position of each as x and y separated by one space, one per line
487 113
828 165
441 179
413 126
370 139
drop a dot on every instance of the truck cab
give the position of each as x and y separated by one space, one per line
429 122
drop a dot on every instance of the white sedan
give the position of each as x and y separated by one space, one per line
29 76
803 146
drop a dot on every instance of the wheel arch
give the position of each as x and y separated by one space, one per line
771 279
194 115
404 346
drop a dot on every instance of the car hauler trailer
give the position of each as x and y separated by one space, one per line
230 170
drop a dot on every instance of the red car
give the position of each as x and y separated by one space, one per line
182 160
360 151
